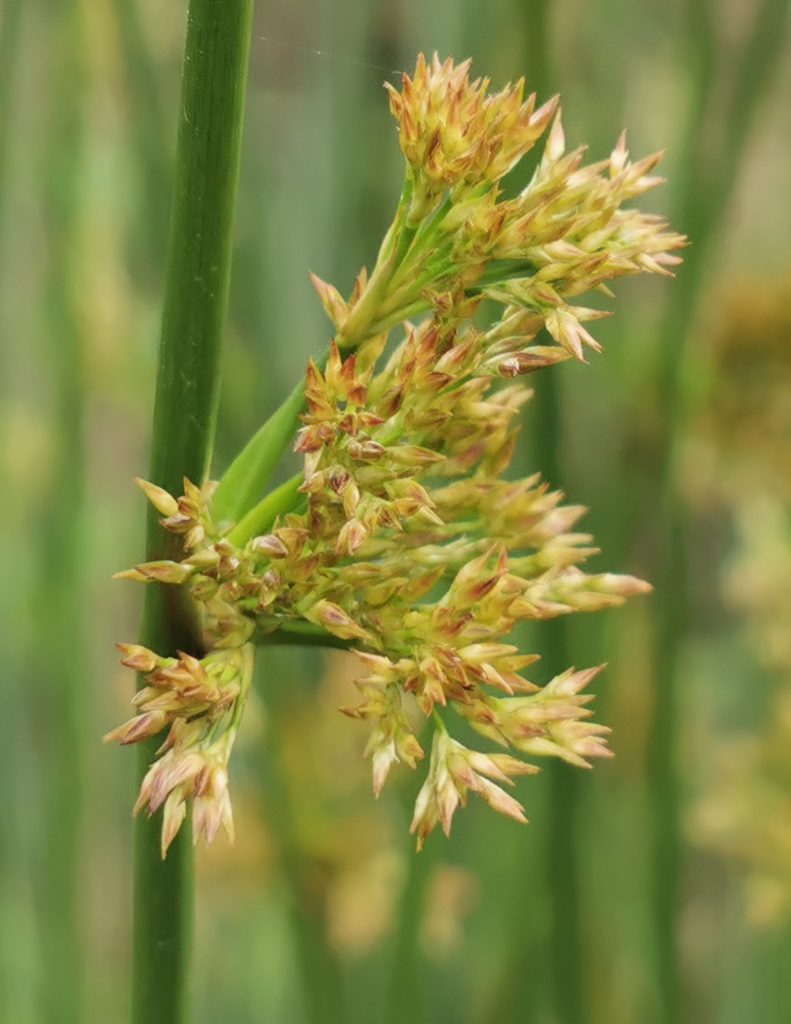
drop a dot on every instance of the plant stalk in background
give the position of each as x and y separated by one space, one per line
62 573
565 955
706 191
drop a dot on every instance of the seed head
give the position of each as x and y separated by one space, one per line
407 542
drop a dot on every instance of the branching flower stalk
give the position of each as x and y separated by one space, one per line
401 537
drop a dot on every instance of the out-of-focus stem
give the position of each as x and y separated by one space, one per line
10 855
565 947
10 19
563 870
704 200
61 572
207 166
406 999
150 135
319 964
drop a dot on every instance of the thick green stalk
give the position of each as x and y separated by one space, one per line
705 198
207 166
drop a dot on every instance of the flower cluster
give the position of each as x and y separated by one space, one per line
401 538
200 702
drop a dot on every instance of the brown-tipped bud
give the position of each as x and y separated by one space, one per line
570 683
138 728
194 537
351 537
172 820
622 585
365 450
501 801
477 654
270 545
409 749
178 523
556 140
212 804
334 305
135 575
163 502
619 155
506 764
138 658
169 773
166 572
383 757
414 455
336 621
528 361
351 498
204 558
567 330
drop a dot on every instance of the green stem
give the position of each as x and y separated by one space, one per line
207 165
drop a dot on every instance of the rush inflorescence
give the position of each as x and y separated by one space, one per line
403 538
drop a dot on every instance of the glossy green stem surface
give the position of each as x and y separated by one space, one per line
207 166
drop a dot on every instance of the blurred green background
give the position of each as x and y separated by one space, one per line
656 889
